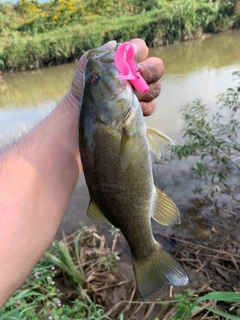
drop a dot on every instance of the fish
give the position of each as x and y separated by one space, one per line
115 148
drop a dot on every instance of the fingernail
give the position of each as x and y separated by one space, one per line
110 45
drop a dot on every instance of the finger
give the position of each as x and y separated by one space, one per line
148 107
154 92
151 69
110 45
140 49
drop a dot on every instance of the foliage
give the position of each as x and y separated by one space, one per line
183 304
214 143
43 17
186 309
62 258
35 34
40 298
143 5
217 296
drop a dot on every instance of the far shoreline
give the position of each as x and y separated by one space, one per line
197 36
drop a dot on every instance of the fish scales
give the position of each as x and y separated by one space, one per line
117 166
128 199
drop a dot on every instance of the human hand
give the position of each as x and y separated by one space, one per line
150 68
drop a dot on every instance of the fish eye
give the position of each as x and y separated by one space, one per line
95 78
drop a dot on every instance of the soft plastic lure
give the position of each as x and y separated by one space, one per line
125 63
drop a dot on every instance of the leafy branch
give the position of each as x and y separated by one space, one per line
213 141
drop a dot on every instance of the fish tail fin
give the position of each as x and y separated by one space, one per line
157 270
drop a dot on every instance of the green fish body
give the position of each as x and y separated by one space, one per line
115 154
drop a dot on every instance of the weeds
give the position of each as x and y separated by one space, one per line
54 290
63 259
233 297
214 142
40 296
39 292
34 34
183 305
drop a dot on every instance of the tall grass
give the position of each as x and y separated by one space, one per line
34 35
233 297
76 273
57 288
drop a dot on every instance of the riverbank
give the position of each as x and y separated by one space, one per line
37 35
86 277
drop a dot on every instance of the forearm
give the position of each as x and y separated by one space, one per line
37 178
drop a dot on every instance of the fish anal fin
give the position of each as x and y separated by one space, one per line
157 270
94 213
160 135
164 210
127 149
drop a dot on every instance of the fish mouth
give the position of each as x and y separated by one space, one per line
121 91
107 57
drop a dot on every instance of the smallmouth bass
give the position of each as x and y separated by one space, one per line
115 153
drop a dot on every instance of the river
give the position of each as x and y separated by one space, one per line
195 69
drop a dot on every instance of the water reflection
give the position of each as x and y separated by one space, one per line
214 52
27 97
32 88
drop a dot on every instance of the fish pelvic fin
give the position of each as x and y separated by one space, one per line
94 213
158 270
164 210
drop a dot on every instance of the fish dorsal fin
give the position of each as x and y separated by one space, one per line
94 213
164 210
127 148
160 135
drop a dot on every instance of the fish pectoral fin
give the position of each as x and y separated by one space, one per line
154 147
164 210
127 149
160 135
94 213
157 270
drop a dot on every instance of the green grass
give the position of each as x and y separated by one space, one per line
40 298
232 297
59 288
29 40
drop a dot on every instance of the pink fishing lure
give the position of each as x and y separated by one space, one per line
125 63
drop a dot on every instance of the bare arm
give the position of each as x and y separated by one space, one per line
37 178
39 174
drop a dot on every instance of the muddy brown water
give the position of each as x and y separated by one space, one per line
194 69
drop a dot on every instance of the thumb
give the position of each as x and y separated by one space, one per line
111 45
77 78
